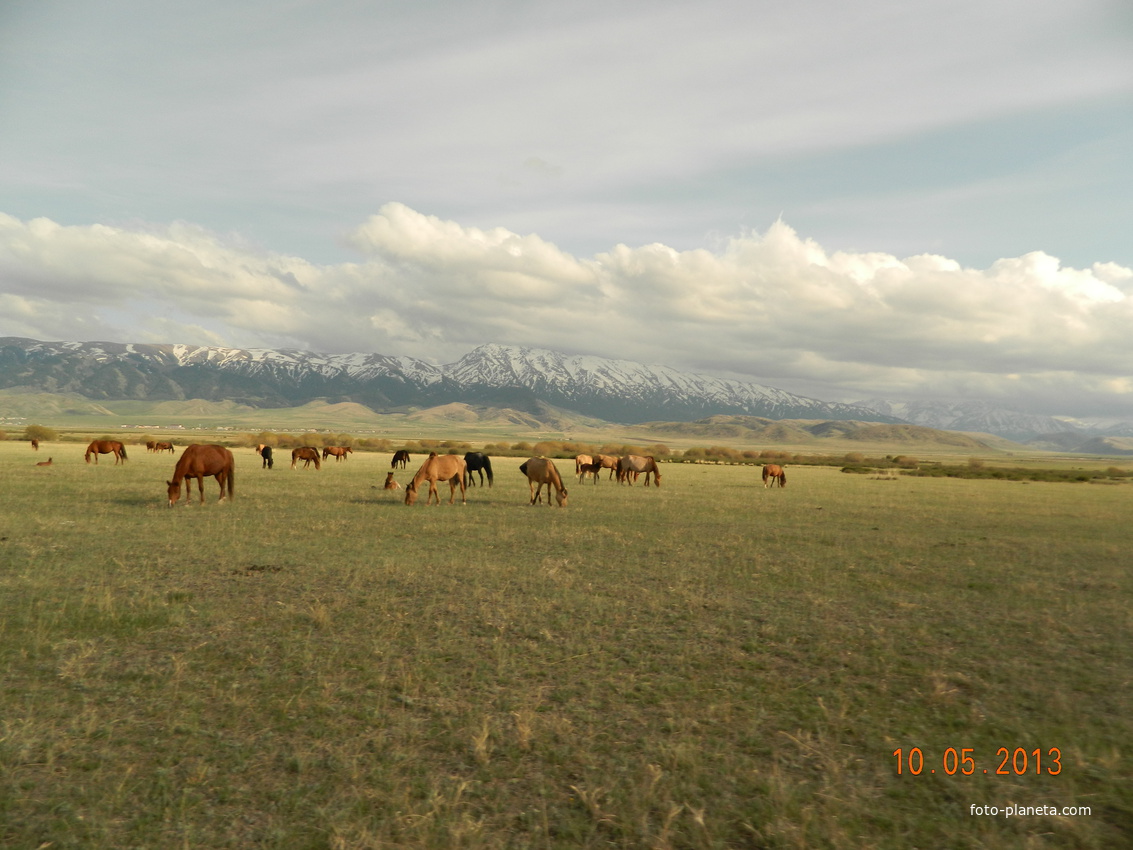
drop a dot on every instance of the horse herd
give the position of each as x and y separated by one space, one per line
200 461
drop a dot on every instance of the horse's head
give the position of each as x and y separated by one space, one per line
411 493
174 493
561 497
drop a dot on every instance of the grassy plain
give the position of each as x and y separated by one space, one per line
706 665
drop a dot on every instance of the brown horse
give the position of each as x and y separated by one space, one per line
579 460
450 468
163 447
106 447
45 462
35 445
305 454
149 445
390 483
540 471
264 451
201 462
607 462
772 474
635 465
337 452
591 469
400 458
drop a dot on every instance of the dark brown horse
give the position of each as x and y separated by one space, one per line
400 458
265 452
163 447
478 462
35 445
773 473
337 452
106 447
201 462
305 454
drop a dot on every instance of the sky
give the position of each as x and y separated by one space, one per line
909 201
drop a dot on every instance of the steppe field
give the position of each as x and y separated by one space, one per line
705 665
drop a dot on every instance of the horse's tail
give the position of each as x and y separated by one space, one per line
124 452
488 469
231 479
783 478
523 468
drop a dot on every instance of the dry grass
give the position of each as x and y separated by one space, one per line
706 665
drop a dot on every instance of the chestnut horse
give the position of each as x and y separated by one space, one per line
540 471
45 462
338 452
635 465
773 473
201 462
390 483
163 447
106 447
436 468
35 445
305 454
400 458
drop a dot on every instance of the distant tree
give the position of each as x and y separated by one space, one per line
40 432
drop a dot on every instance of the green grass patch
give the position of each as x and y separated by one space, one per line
705 665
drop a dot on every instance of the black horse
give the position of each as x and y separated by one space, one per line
400 458
265 453
478 462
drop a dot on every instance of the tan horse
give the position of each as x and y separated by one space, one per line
635 465
772 474
390 483
607 462
201 462
579 460
450 468
106 447
540 471
305 454
337 452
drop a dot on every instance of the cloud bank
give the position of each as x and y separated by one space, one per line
774 307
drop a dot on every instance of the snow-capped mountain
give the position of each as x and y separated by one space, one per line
499 375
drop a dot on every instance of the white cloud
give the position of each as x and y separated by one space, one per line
773 307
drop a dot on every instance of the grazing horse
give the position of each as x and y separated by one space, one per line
149 445
163 447
390 483
35 445
201 462
338 452
591 469
436 468
478 462
635 465
607 462
540 471
400 458
305 454
106 447
265 452
45 462
772 474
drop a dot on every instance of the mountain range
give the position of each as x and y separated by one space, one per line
492 375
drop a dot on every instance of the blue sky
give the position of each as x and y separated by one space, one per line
747 188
